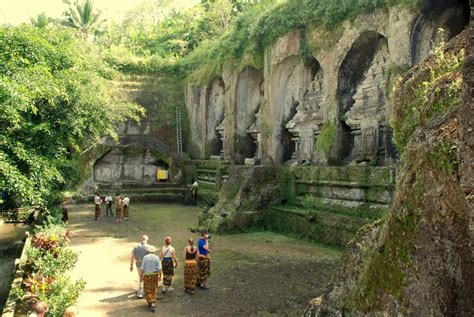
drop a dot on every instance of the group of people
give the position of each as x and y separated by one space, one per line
153 268
122 205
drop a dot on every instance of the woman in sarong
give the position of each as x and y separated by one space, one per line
168 262
190 267
150 271
118 208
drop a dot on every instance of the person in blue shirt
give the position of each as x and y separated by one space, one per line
203 260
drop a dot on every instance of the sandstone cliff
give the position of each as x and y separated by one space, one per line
419 260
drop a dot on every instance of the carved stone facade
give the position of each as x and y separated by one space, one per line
276 115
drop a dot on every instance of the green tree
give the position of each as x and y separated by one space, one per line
82 16
55 100
41 21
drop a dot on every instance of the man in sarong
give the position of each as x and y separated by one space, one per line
150 271
118 208
125 204
97 202
138 253
204 260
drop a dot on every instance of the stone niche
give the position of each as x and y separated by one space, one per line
215 131
249 97
452 16
287 82
305 125
128 165
363 130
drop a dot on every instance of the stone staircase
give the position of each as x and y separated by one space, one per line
332 203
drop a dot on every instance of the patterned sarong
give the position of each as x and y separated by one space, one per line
150 284
168 271
118 213
204 267
125 211
190 271
97 212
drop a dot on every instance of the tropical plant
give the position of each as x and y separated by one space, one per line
41 21
55 100
82 16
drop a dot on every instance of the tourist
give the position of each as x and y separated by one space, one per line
204 261
126 204
138 252
118 208
97 202
194 191
71 311
190 267
168 263
150 272
108 205
40 309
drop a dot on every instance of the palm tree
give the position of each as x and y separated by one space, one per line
40 21
82 17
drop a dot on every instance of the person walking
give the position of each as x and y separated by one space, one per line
125 204
190 267
204 260
150 271
168 263
138 253
118 208
108 205
97 202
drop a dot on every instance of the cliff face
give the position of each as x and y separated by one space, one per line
321 96
419 261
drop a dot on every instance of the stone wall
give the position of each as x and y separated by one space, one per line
143 147
344 82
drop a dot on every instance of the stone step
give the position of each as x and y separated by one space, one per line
124 186
145 197
346 207
327 219
326 228
373 194
164 190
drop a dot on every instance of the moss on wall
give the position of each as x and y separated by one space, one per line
326 139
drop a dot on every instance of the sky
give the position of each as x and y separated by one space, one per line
18 11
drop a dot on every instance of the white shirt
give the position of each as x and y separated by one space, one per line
108 198
167 251
126 201
97 200
195 184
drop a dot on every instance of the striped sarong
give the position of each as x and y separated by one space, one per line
204 268
118 213
97 212
125 211
190 271
168 271
150 284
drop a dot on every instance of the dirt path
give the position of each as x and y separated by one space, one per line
253 274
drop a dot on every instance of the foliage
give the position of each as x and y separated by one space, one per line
422 95
326 138
82 16
444 156
55 100
41 21
46 278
